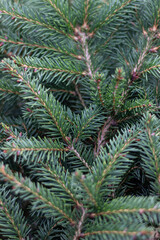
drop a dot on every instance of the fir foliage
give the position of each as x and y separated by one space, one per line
79 119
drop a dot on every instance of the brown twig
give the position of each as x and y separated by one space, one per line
79 95
79 227
101 136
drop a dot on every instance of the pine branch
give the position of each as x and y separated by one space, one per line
117 154
30 20
150 150
116 233
76 79
116 9
87 187
61 70
80 224
86 13
36 194
53 175
58 10
12 222
41 96
77 154
45 47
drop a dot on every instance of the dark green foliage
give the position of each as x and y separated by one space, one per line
79 119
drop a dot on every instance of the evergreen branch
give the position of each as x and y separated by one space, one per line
51 69
83 127
33 150
48 110
32 45
121 211
142 106
9 91
90 120
86 13
77 154
116 153
22 150
142 57
44 104
54 176
87 54
78 173
36 194
9 131
86 188
38 96
112 15
80 224
113 160
128 117
60 181
11 220
8 88
99 91
50 230
107 41
62 70
150 68
58 10
63 90
29 20
149 143
154 150
122 233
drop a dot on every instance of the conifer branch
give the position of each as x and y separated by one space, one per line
29 20
62 184
107 41
142 56
112 15
154 152
60 13
87 190
86 13
25 44
150 68
80 224
11 220
36 68
8 131
99 91
27 83
63 90
112 161
50 230
122 233
21 150
80 172
71 147
37 195
121 211
9 91
46 107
